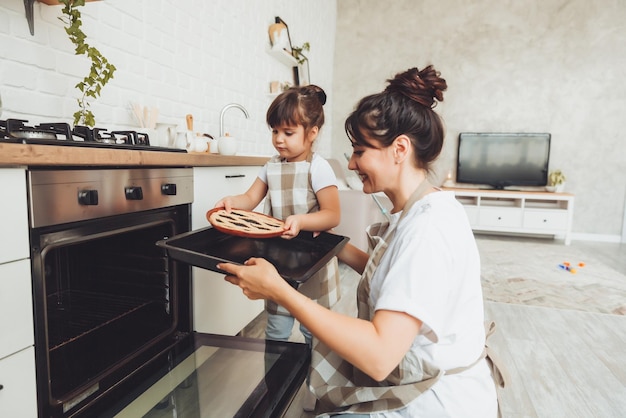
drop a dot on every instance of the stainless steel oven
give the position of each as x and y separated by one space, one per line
113 313
107 301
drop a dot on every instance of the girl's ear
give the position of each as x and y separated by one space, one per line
313 133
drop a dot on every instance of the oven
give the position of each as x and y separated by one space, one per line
107 300
113 312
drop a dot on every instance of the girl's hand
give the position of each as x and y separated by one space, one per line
257 278
293 225
226 203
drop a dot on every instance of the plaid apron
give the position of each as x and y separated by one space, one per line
343 388
290 192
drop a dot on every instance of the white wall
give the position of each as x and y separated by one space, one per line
183 56
553 66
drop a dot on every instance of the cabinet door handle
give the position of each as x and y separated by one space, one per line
234 176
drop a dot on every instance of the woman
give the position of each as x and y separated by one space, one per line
417 346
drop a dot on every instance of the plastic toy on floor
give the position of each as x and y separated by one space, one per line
568 267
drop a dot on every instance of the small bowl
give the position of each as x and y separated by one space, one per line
227 145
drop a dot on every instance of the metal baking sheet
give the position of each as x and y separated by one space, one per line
296 259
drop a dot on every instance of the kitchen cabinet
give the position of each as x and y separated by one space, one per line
18 396
14 222
17 361
219 307
518 212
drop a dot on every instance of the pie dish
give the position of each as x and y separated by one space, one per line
245 223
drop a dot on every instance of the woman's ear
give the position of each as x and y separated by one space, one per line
401 148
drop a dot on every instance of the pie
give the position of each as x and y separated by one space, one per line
245 223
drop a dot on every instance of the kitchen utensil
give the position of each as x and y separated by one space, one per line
296 259
244 223
227 145
199 143
213 146
138 114
166 133
190 134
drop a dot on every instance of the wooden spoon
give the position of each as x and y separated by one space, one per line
189 119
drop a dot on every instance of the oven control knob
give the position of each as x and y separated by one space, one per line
88 197
134 193
168 189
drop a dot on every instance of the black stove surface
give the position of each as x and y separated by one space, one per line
18 131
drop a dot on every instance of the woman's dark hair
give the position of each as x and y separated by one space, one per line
404 107
298 106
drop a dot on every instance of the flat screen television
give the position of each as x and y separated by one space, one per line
502 160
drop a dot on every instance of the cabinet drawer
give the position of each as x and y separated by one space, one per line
545 219
18 396
14 222
500 217
472 214
16 319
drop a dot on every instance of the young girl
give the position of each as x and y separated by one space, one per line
300 187
417 348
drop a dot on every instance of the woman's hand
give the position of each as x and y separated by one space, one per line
257 278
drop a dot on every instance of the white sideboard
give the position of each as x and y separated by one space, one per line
518 212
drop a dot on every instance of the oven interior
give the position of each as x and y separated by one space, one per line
110 300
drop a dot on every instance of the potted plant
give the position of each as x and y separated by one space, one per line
100 72
556 181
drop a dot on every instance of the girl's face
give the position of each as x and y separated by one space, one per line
374 165
292 143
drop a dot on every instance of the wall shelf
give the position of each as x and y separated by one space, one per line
283 57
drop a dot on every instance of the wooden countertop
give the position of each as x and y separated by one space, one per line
51 155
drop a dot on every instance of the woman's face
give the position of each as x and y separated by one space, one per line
291 143
374 165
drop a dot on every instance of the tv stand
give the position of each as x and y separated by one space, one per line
518 212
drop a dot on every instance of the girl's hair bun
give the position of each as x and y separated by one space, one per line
425 87
312 89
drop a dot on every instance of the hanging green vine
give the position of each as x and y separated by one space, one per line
101 70
298 52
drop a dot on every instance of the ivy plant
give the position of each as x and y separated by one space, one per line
297 52
101 70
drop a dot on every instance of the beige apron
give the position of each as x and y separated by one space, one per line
343 388
290 192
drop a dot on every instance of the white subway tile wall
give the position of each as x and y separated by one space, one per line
181 56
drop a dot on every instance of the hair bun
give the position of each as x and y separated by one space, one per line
317 91
425 87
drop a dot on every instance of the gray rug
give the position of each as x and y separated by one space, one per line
532 273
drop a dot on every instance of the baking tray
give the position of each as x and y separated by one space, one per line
296 259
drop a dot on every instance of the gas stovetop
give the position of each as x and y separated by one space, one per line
18 131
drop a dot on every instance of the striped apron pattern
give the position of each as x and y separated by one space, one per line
290 192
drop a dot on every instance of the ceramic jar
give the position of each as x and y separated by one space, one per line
227 145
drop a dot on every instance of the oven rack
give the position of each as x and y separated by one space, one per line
75 314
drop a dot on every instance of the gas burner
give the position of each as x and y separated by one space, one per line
17 130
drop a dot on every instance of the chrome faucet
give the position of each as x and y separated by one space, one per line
228 106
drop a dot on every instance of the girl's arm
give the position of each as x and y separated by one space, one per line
246 201
354 257
326 218
375 347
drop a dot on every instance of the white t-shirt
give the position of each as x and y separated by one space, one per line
322 174
431 270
